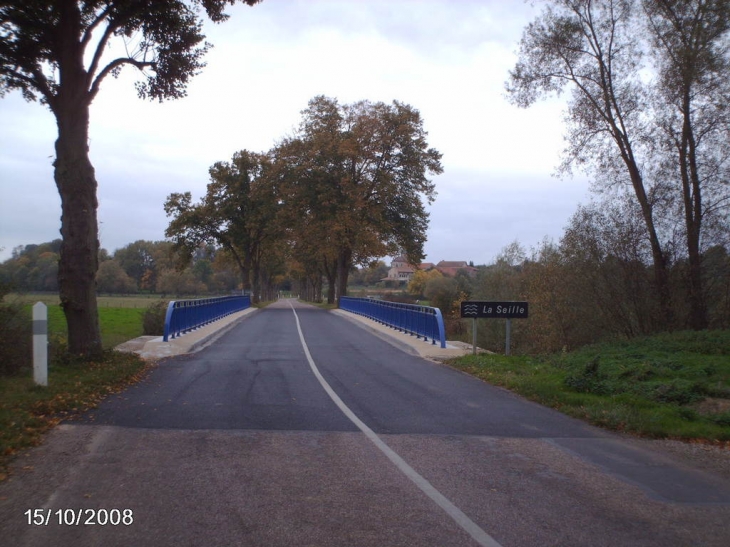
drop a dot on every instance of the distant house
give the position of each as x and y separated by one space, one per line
450 268
402 272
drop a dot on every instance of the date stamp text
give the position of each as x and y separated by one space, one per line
80 517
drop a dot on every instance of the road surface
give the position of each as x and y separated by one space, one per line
301 428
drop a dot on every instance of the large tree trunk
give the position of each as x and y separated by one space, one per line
330 270
256 277
344 263
79 261
661 270
698 308
692 197
661 280
76 184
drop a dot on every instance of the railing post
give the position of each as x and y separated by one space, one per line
440 327
168 322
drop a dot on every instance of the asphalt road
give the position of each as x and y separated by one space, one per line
306 429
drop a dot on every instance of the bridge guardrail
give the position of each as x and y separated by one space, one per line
409 318
185 315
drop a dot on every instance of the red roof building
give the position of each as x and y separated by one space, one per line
402 271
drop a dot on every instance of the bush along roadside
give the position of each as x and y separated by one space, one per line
667 386
153 319
15 327
28 410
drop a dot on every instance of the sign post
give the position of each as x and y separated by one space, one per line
508 335
473 335
40 344
494 310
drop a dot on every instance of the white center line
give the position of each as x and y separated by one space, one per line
468 525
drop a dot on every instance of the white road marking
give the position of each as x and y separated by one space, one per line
468 525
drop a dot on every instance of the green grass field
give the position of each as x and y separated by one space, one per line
132 301
120 317
672 385
117 324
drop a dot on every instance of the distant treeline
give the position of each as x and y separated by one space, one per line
140 267
595 283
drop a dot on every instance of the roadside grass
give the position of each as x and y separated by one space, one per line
323 305
674 385
117 325
27 410
103 301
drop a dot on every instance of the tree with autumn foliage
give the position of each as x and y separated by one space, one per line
238 213
419 280
59 51
356 178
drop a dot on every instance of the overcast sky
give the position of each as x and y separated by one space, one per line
447 58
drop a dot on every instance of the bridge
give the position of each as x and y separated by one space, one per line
301 426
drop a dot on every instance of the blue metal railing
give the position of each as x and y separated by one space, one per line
185 315
409 318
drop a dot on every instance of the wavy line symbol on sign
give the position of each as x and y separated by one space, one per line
470 309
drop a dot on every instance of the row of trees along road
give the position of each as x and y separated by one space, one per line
648 116
346 189
59 51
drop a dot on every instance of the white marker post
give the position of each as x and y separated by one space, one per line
40 344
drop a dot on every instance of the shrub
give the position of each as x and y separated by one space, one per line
442 292
676 392
588 380
722 419
153 320
15 336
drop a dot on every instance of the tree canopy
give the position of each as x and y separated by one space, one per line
238 213
60 51
359 173
44 42
349 187
648 112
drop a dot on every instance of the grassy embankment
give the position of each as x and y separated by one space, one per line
27 411
668 386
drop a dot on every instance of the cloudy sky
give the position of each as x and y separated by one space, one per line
447 58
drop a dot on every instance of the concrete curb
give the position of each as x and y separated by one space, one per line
406 342
152 348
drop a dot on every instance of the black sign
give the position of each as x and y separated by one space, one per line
494 310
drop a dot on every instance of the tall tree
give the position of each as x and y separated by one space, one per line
238 213
306 170
59 51
691 46
363 169
593 47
